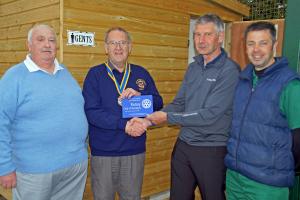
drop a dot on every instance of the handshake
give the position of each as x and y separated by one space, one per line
137 126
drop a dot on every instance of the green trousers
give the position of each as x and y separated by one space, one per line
239 187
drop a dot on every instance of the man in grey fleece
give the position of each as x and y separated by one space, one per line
203 109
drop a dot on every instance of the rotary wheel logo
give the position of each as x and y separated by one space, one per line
146 103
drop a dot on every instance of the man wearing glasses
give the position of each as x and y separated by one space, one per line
118 152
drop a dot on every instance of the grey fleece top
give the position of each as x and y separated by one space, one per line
203 104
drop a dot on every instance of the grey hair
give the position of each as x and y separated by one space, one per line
29 36
117 29
211 18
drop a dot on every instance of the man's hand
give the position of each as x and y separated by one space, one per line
137 126
141 121
129 92
157 117
8 181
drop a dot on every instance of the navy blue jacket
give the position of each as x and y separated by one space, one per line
107 135
260 144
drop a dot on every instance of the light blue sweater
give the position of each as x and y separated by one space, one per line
43 126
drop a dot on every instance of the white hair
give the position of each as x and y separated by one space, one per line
29 36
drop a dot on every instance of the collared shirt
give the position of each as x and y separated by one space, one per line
215 59
118 75
112 66
32 67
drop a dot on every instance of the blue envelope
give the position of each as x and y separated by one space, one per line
137 106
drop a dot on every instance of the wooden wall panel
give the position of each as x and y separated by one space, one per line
138 50
134 23
234 6
162 63
20 31
24 5
13 44
137 37
160 142
31 16
169 86
83 60
159 29
128 9
17 17
229 10
160 38
3 2
197 7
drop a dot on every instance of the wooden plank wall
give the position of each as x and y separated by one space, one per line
160 40
16 18
159 30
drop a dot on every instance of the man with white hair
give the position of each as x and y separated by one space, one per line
43 127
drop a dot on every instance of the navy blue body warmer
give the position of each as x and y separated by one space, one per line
260 144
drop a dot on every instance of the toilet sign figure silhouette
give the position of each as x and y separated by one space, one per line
80 38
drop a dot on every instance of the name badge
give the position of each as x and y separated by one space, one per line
137 106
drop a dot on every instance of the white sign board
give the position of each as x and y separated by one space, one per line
81 38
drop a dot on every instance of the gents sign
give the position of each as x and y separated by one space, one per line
81 38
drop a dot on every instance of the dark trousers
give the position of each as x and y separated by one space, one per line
193 166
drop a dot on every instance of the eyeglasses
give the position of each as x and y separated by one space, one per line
114 44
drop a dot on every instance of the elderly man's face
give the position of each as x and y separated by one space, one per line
42 46
118 47
207 40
